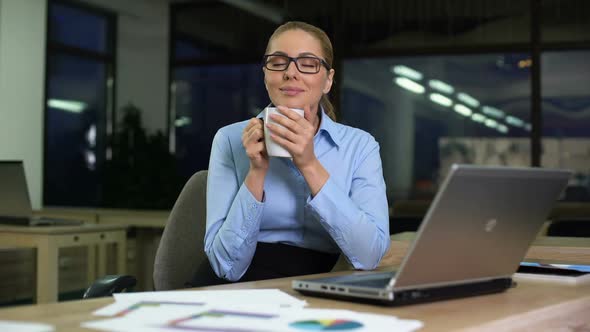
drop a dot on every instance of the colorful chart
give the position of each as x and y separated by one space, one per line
326 325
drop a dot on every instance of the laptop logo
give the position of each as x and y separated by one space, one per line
490 224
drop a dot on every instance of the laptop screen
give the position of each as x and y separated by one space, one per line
14 193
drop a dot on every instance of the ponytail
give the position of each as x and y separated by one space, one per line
328 107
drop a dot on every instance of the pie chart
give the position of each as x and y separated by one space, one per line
326 325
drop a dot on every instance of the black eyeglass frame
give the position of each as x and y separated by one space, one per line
294 60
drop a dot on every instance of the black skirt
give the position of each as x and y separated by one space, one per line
277 260
272 260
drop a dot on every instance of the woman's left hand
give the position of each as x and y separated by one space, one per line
296 136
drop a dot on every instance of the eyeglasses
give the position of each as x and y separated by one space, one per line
305 64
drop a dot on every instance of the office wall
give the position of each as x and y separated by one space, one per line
22 71
142 57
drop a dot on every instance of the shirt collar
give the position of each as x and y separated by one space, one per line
329 127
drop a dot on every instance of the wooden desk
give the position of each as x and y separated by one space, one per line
48 240
532 304
544 249
148 226
148 229
529 299
135 218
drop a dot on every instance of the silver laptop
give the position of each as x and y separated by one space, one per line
15 204
471 241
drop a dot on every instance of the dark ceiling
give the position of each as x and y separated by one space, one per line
242 27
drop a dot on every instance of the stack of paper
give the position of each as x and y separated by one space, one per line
261 310
15 326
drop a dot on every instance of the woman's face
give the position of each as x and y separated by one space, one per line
292 88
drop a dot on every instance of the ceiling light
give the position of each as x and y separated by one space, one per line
440 99
478 118
441 86
491 123
514 121
409 85
493 112
463 110
182 121
467 99
503 129
67 105
408 72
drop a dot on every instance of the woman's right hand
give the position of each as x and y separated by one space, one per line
253 141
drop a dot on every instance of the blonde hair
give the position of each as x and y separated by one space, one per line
327 49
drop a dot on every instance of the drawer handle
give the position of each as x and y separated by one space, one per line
102 236
76 238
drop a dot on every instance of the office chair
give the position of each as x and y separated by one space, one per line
180 259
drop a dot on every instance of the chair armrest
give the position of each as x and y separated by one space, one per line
110 284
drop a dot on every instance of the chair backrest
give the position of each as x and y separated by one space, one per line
181 249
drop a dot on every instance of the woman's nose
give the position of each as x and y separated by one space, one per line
291 70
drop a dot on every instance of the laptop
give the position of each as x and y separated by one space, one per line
15 205
471 241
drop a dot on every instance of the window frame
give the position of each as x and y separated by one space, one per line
106 58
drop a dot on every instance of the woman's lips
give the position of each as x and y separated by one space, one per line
291 91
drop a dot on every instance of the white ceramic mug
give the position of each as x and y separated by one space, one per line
272 148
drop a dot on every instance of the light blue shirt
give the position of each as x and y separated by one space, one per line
349 214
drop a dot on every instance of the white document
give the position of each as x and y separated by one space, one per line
14 326
244 310
250 319
293 320
270 297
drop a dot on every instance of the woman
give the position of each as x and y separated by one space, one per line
277 217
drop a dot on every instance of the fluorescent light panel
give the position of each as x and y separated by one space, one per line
67 105
478 117
493 112
406 71
409 85
441 86
491 123
467 99
440 99
182 121
514 121
463 110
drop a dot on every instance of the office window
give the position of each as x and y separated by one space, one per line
428 112
79 99
566 117
185 49
206 98
78 28
379 44
565 21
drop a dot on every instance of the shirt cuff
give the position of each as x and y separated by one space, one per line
251 210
